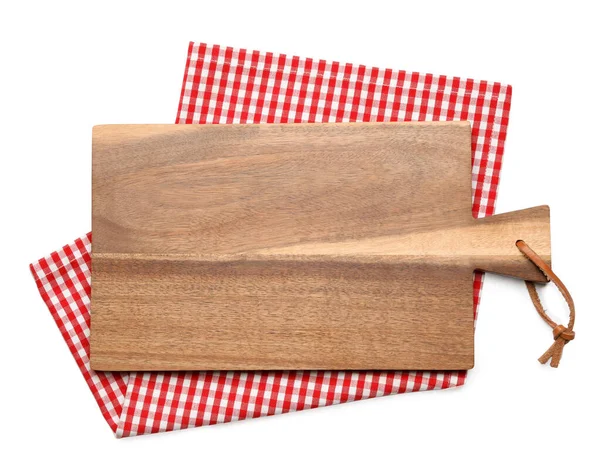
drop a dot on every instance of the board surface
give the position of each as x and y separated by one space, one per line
301 246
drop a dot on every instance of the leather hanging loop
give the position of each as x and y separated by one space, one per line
562 334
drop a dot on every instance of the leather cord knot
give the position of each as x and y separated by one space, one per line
562 334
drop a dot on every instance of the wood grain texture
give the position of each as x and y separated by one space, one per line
307 246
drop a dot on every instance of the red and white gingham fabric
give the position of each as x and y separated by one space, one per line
225 85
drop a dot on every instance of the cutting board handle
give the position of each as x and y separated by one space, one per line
494 242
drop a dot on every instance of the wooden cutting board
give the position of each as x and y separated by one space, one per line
296 246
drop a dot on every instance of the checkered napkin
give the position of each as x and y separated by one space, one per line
225 85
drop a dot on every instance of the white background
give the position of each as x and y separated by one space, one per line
65 67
